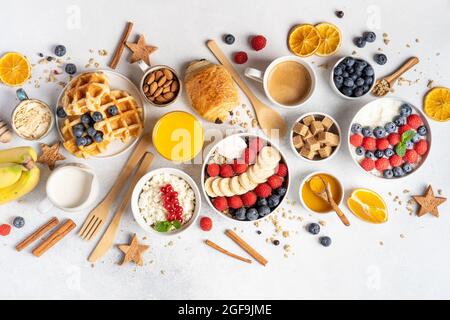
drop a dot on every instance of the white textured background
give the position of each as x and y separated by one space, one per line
356 266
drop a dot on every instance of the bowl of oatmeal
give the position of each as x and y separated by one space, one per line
165 201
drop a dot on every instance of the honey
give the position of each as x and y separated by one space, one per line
315 185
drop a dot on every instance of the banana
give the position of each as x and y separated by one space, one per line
261 172
27 182
208 188
215 187
10 173
224 186
246 183
23 155
269 157
253 177
236 187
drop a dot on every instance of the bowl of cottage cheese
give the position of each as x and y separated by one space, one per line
166 201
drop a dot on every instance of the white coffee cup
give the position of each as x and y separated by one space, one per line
71 187
263 77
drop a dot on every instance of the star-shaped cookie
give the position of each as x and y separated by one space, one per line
429 203
141 51
133 251
50 154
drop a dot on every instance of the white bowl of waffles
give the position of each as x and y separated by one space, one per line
99 114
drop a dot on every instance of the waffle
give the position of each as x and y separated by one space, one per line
85 93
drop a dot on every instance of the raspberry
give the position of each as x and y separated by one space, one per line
220 203
249 199
411 156
414 121
259 42
239 167
382 144
206 224
404 128
249 156
382 164
235 202
240 57
275 181
396 160
421 147
5 229
369 144
394 139
282 170
263 190
226 171
368 164
356 140
256 145
213 170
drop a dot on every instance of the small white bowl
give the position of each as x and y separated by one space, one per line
205 163
138 190
309 176
337 90
337 131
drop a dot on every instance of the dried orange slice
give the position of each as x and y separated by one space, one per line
436 104
330 39
368 205
14 69
304 40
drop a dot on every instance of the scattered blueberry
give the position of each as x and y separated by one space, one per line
325 241
261 202
281 191
263 211
390 127
380 58
71 68
339 14
369 36
388 173
81 141
240 214
89 140
61 113
405 110
356 128
389 152
359 91
60 50
313 228
91 131
349 61
407 168
97 116
229 39
416 138
369 154
98 137
366 131
360 42
252 214
399 121
368 71
78 131
86 119
18 222
379 154
273 201
379 132
409 145
398 172
113 111
422 130
360 151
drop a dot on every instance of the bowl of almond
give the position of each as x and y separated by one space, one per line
315 136
160 85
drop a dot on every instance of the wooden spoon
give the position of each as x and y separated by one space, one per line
270 121
388 82
327 195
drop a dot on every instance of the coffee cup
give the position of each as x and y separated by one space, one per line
70 187
288 81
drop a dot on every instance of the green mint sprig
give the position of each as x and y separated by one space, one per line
165 226
401 147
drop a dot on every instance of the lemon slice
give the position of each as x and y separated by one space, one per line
15 69
368 205
304 40
437 104
330 39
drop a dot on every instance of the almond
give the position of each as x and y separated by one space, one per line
169 95
166 89
146 88
150 78
158 75
161 100
162 81
153 88
158 92
174 86
168 74
167 84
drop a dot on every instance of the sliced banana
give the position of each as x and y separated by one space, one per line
246 183
236 187
269 157
215 187
224 186
208 189
253 177
262 173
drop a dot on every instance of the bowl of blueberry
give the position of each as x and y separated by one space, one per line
389 138
352 78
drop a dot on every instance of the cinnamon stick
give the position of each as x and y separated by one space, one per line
37 234
121 46
220 249
244 245
54 238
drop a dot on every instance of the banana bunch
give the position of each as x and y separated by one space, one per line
19 174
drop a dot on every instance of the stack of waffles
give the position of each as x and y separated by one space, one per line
90 93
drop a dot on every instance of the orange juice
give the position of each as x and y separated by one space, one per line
178 136
314 185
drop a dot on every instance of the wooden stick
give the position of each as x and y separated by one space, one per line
54 238
121 46
37 234
244 245
220 249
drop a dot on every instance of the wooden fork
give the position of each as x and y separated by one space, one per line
97 217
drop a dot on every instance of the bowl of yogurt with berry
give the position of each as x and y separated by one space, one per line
165 201
389 138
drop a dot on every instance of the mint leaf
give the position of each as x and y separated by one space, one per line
400 149
176 224
407 136
163 226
